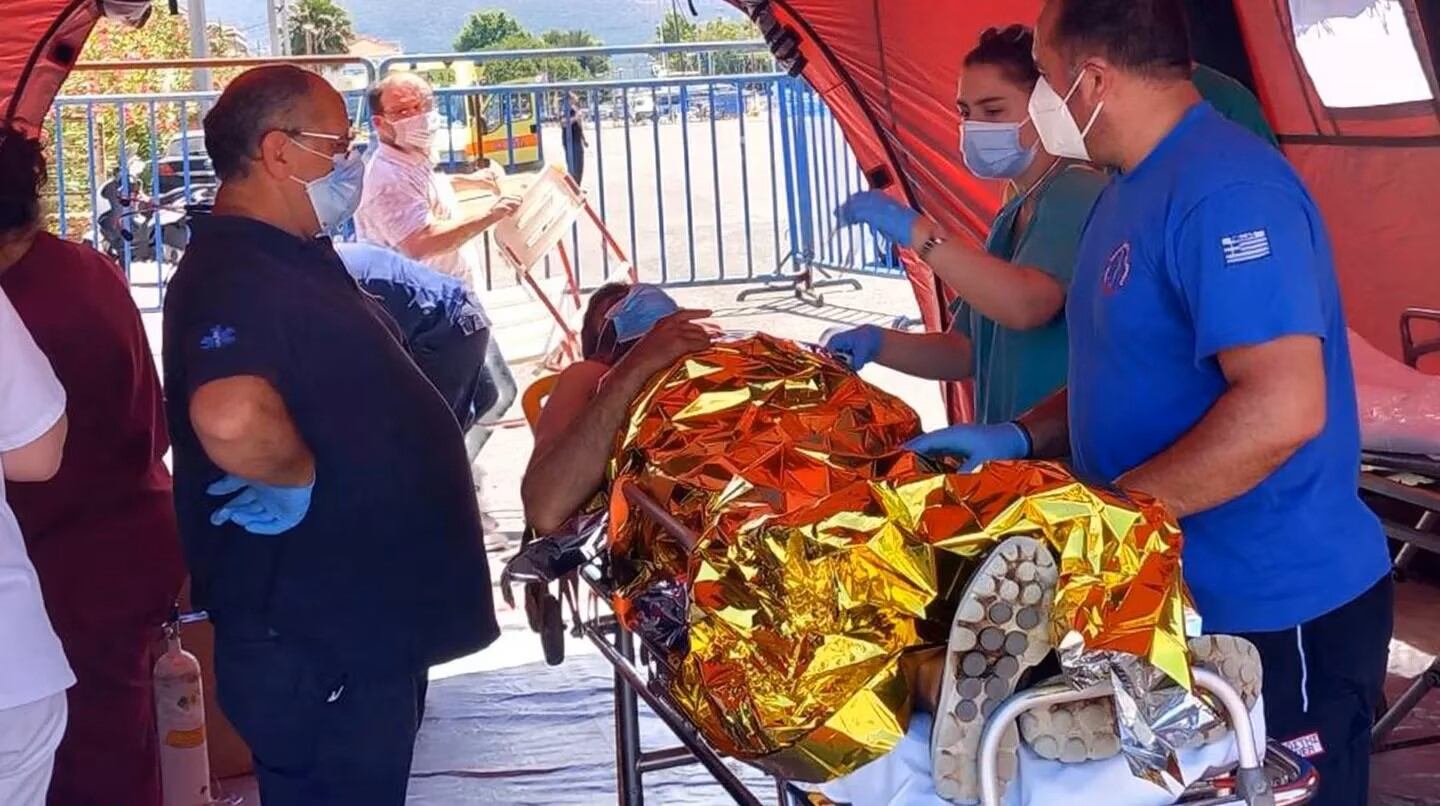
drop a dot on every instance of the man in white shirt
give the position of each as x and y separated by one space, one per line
409 208
34 673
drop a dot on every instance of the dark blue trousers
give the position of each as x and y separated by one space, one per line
1323 681
319 737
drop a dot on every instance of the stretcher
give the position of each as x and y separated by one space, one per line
1400 466
1280 777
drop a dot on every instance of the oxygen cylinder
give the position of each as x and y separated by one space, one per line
180 721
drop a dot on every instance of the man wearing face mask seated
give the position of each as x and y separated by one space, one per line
321 485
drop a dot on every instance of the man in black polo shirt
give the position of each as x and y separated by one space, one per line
321 483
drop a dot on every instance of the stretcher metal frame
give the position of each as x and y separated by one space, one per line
1415 481
1278 779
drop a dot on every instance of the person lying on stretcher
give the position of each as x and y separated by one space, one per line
999 638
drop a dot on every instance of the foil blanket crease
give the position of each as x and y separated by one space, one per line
809 556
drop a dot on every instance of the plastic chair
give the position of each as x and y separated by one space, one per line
549 208
533 400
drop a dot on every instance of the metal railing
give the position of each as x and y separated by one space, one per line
706 179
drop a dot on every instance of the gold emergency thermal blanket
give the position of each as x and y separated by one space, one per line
821 555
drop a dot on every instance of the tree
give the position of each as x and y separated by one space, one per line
226 40
484 30
592 66
507 70
165 37
676 27
732 62
320 28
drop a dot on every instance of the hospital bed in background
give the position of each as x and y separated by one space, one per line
1400 472
1279 778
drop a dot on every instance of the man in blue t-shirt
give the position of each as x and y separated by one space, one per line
1209 368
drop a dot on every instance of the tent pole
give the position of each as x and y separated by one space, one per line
199 44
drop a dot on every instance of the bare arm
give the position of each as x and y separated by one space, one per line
38 460
933 356
1048 426
484 181
444 237
573 441
1274 405
1017 297
245 429
577 429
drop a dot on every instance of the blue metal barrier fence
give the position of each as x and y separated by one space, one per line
702 179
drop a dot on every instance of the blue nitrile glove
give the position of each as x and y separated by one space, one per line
641 308
260 509
860 345
889 217
976 444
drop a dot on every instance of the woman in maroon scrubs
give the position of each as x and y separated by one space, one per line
102 532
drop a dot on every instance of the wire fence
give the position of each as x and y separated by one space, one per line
702 178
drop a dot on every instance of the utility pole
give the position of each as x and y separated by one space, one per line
199 43
272 16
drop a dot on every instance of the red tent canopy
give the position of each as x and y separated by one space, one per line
39 43
887 68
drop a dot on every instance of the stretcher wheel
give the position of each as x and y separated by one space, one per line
552 636
535 595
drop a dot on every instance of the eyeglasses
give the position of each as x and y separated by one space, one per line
410 110
346 141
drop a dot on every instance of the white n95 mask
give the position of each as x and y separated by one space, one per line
1058 131
418 131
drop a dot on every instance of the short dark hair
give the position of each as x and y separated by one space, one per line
594 324
1149 37
253 104
22 174
1012 49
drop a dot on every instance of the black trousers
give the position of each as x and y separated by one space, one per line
455 367
319 738
1323 681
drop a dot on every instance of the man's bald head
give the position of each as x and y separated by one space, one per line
261 100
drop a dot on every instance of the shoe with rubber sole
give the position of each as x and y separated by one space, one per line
1085 730
1001 628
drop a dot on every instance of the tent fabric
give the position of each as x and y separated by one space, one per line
888 68
1374 171
39 43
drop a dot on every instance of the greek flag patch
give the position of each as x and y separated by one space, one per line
1307 746
1245 247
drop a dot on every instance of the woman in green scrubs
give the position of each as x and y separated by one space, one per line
1009 330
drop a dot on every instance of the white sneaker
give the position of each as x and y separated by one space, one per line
1085 730
1001 628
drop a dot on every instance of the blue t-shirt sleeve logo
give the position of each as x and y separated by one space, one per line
1245 246
218 336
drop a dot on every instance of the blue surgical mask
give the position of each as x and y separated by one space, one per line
633 316
335 196
993 150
